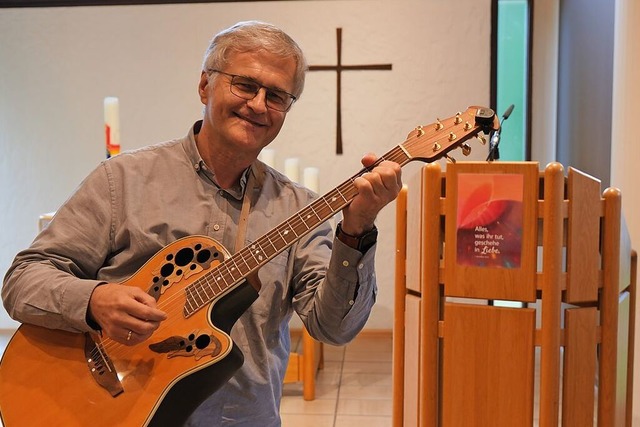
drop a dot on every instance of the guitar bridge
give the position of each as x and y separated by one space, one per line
101 367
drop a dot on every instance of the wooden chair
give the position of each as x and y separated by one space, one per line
459 361
303 366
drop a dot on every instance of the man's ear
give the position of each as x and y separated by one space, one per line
203 86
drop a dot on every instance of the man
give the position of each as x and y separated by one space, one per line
211 183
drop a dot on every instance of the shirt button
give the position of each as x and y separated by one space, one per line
221 192
351 302
216 227
345 263
360 266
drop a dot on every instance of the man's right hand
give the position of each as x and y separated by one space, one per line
126 314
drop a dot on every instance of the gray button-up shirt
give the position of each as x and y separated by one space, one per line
134 204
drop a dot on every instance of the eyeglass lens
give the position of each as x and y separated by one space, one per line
247 89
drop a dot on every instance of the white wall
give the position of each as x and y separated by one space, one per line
57 65
625 149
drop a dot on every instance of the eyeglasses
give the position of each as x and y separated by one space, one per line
246 88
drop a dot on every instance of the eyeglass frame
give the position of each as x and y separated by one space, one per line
292 98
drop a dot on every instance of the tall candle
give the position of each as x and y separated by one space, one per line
112 125
268 157
292 169
310 179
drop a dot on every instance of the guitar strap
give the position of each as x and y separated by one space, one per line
255 179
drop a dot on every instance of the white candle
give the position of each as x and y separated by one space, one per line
292 169
112 125
310 177
268 157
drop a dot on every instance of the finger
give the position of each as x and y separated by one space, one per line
369 159
145 307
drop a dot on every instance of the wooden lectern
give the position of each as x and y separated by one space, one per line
514 302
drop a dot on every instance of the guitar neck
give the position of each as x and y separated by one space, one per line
426 144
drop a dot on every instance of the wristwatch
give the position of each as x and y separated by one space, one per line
362 243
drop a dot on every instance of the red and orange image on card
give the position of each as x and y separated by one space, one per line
489 220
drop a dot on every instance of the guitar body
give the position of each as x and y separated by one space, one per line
46 379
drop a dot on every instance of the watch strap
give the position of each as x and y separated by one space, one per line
362 243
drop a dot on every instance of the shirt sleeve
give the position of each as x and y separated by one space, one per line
50 283
334 301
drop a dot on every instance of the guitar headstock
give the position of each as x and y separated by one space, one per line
431 142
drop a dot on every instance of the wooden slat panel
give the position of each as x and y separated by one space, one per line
578 390
513 229
583 237
400 290
609 307
488 369
431 240
622 373
414 226
551 295
411 365
632 331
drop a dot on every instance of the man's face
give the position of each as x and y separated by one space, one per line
245 125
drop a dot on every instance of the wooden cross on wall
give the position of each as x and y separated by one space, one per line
338 69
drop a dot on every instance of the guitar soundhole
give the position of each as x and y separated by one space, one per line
166 270
203 341
203 256
184 256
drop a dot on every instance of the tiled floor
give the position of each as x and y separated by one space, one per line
353 388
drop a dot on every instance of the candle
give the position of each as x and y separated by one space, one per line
112 125
292 169
268 157
310 177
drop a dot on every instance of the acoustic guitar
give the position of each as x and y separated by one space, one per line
57 378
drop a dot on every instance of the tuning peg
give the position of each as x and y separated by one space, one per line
449 158
438 124
420 131
482 139
466 149
458 119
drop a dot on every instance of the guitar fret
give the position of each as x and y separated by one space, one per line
215 282
298 224
268 240
256 253
202 301
235 265
189 301
312 209
208 290
240 255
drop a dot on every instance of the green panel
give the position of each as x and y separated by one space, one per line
513 30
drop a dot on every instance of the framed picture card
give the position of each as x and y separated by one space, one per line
491 230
